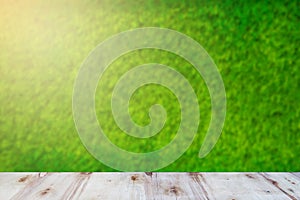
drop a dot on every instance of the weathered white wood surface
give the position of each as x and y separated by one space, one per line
88 186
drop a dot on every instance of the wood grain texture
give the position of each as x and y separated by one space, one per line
206 186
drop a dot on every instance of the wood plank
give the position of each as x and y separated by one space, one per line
105 186
134 186
286 182
142 186
175 186
11 183
54 186
239 186
296 174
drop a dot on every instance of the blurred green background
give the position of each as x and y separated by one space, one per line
254 44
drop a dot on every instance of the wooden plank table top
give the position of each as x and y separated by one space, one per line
90 186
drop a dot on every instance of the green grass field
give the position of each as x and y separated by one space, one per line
254 45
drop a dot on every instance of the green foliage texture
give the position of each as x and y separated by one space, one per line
255 45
